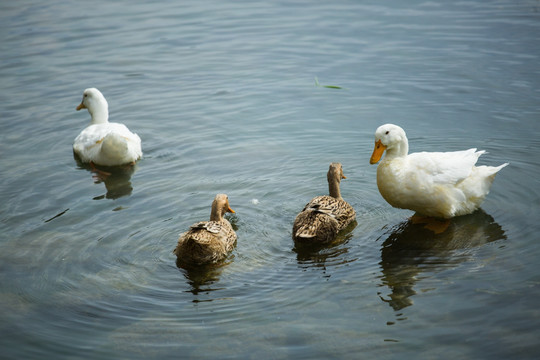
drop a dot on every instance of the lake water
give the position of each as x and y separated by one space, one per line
224 97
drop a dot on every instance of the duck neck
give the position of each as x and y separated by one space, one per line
400 149
217 213
333 188
99 113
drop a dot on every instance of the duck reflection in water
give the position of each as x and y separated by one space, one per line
117 179
411 250
202 278
318 255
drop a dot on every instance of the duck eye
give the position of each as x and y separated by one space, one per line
386 133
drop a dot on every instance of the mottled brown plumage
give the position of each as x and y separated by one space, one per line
208 242
324 216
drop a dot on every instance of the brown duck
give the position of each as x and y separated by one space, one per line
324 216
208 242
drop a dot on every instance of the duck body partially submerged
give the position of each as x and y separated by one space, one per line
324 216
102 142
433 184
208 242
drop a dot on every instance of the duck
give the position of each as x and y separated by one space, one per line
436 185
324 216
208 242
102 142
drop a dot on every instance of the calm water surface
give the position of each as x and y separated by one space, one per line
223 95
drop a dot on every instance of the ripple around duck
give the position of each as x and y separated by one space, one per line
410 253
264 268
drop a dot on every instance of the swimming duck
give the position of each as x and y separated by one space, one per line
324 216
208 242
104 143
433 184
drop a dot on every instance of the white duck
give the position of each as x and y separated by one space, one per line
433 184
104 143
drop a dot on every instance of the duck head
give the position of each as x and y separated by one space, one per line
220 206
391 138
94 101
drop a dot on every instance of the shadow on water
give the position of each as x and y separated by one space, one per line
117 179
411 249
317 255
201 278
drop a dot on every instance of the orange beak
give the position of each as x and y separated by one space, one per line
229 209
377 152
81 106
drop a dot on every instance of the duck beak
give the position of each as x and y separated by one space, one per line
377 152
230 210
81 106
343 176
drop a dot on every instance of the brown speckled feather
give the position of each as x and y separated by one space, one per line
321 220
208 241
324 216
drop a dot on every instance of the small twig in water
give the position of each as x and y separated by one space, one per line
317 84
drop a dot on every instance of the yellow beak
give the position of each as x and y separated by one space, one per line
377 152
81 106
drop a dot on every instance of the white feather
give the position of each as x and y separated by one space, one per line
438 184
102 142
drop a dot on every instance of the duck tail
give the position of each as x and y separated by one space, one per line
116 150
314 227
114 143
492 170
501 166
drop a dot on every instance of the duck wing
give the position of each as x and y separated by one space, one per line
444 167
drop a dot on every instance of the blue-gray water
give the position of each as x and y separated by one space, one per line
223 96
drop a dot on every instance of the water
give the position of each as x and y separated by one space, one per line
223 95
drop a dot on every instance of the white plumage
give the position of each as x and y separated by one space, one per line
102 142
435 184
